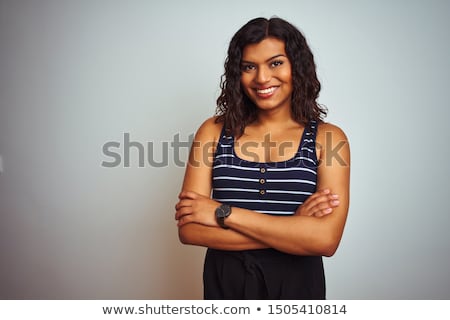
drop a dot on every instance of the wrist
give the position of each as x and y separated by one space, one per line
222 212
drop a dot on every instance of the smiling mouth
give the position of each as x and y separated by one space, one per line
267 92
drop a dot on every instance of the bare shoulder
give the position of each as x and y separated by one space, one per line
326 131
209 130
332 146
198 175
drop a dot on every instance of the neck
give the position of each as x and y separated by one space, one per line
273 118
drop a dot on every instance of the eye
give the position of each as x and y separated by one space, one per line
276 63
247 67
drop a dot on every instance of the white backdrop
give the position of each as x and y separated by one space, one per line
76 75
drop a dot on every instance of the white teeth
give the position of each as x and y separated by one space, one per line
266 91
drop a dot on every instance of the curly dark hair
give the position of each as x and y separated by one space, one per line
235 109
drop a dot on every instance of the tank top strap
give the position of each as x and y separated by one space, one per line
224 145
307 147
223 134
309 136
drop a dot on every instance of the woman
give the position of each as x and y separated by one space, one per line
266 189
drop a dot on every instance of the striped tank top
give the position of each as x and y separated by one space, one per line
275 188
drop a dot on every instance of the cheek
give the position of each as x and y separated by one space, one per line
245 80
287 79
286 75
245 85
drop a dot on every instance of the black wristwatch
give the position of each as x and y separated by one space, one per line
222 212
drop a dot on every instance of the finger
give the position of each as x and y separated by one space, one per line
323 213
183 203
326 205
331 199
184 211
323 207
318 194
334 203
184 220
312 202
317 212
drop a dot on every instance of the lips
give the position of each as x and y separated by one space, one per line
265 92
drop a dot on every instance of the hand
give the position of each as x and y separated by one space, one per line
319 204
195 208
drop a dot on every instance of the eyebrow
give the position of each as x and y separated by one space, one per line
274 57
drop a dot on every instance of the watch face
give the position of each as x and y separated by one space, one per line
223 211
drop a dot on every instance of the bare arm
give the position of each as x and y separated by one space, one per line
303 235
197 179
217 238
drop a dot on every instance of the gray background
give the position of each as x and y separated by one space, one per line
78 74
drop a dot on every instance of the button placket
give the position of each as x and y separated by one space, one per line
262 181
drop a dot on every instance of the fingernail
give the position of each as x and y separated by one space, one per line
335 202
334 196
328 210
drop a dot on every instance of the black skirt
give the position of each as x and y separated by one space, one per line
262 274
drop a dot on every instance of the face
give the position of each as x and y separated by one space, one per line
266 74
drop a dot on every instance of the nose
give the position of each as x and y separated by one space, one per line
263 75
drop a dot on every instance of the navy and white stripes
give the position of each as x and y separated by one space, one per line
276 188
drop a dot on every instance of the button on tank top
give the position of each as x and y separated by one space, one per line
275 188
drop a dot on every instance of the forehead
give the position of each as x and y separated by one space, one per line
263 50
